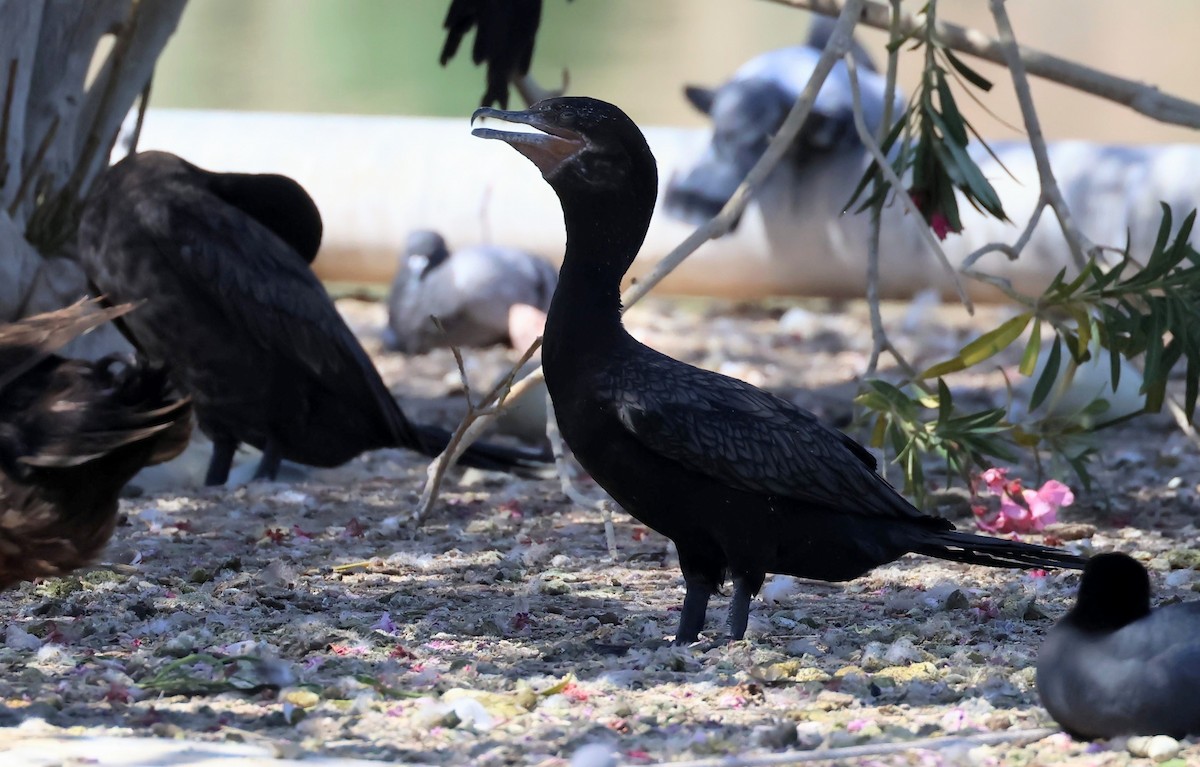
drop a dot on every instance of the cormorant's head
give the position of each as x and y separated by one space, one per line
586 147
1114 591
277 202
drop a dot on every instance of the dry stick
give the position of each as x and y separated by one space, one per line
34 165
143 102
1140 97
5 117
1081 247
879 337
881 749
484 412
718 226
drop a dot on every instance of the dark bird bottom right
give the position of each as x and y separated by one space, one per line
1113 666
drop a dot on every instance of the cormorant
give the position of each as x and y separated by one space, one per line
220 262
72 433
745 483
470 292
1113 666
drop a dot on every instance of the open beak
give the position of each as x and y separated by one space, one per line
548 150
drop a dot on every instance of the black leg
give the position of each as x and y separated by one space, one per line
739 607
221 461
695 604
268 467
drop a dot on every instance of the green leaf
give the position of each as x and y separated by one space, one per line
944 402
995 341
946 367
976 79
1049 375
1032 349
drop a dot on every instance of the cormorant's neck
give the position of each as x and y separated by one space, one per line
603 238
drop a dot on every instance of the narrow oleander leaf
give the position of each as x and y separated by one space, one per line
1049 375
995 341
946 367
1032 350
976 79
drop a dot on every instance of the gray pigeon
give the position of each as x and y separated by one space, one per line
469 291
1113 666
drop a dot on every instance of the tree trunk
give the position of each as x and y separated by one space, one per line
62 107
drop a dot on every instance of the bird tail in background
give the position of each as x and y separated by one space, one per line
486 455
995 552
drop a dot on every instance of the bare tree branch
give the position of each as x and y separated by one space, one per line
1140 97
1081 247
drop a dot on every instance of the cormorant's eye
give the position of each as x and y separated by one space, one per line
566 116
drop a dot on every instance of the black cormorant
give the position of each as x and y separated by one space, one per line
220 264
745 483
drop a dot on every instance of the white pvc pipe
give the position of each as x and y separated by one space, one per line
376 178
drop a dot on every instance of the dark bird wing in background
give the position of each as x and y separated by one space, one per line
72 433
505 33
232 308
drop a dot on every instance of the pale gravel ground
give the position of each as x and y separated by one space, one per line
501 634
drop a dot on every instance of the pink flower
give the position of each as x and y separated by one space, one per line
1021 510
995 479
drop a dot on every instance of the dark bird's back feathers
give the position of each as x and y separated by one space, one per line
72 433
229 303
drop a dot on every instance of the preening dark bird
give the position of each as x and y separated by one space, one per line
505 33
1113 666
470 291
745 483
220 264
72 433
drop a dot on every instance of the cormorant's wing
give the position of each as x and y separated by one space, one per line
747 438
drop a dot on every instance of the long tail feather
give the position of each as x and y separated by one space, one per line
996 552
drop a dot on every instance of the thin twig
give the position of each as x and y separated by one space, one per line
870 749
718 226
1081 247
5 117
1140 97
34 165
143 102
889 173
482 412
879 337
